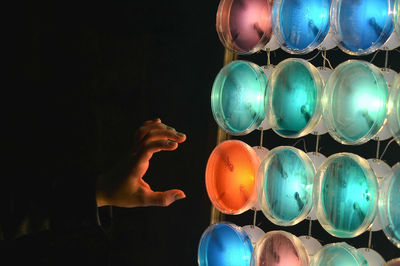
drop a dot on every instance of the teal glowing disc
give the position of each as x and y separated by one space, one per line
346 195
285 185
355 102
338 254
224 244
394 109
294 98
237 97
389 206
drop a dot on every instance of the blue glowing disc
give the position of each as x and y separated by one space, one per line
389 206
294 94
362 26
224 244
237 97
285 185
346 195
300 26
338 254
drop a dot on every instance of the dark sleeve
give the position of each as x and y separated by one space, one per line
74 204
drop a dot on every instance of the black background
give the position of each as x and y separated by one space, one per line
84 77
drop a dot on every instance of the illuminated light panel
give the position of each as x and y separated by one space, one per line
231 177
300 26
346 195
389 206
244 26
224 244
294 98
237 97
362 26
285 185
355 102
394 109
338 254
279 248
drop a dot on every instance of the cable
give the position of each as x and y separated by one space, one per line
327 60
377 51
387 145
304 143
315 56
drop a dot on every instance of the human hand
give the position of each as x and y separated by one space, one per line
124 186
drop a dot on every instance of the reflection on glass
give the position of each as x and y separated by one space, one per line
363 26
346 195
279 248
300 26
394 109
237 97
294 98
389 206
285 184
244 26
224 244
338 254
231 176
396 15
355 102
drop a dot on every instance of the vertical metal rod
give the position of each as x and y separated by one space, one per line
317 144
324 58
268 57
369 239
261 136
309 227
386 59
378 147
255 217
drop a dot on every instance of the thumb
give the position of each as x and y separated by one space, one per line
165 198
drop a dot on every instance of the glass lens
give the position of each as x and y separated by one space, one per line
355 102
346 193
237 97
279 248
244 26
231 176
285 183
389 206
294 98
363 26
224 244
338 254
301 26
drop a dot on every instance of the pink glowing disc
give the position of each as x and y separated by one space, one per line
244 26
279 248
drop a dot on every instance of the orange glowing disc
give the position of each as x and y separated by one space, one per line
231 174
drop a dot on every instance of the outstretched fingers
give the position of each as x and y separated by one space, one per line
154 198
149 148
